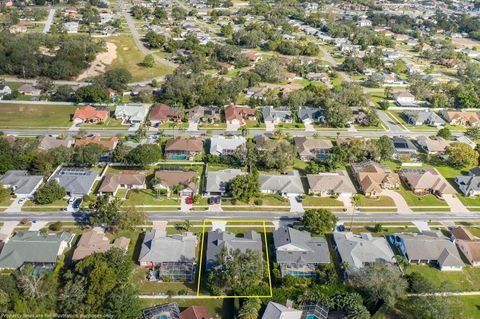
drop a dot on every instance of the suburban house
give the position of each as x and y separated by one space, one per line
89 114
171 256
423 118
466 140
94 241
162 113
426 181
328 184
132 113
298 253
188 180
218 239
288 184
360 250
468 244
22 184
405 98
109 143
221 145
165 311
128 179
469 185
428 247
432 146
462 118
5 89
181 148
32 247
403 147
195 312
277 115
312 149
217 181
209 114
29 89
77 182
277 311
373 177
48 142
310 115
239 114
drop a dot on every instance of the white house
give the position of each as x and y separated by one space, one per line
132 113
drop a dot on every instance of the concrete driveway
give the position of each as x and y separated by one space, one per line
37 225
15 206
402 206
295 206
232 127
7 229
309 127
456 206
184 207
192 126
269 126
347 202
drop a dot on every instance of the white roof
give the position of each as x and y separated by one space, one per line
277 311
135 112
219 144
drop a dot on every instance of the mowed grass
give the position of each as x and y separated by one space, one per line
378 201
35 115
130 57
217 308
425 200
466 280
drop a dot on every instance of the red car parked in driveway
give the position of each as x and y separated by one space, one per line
189 200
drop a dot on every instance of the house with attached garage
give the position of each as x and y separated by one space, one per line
469 185
239 114
181 148
423 118
168 179
468 244
221 145
426 181
29 90
289 184
433 146
277 115
128 179
310 115
312 149
94 241
373 177
466 140
298 253
48 142
277 311
5 89
132 113
462 118
428 248
32 247
405 98
109 143
328 184
217 181
171 257
22 184
77 182
403 147
359 250
162 113
89 114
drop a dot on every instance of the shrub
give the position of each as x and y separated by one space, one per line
55 226
258 202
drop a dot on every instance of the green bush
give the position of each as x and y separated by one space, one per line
258 201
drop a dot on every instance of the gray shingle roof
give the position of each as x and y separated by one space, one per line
271 114
75 180
32 247
468 184
285 183
219 144
338 182
314 114
217 180
294 246
21 182
278 311
158 247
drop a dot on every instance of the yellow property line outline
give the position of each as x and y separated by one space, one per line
266 255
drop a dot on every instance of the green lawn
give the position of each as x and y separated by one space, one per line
466 280
222 308
426 200
154 287
60 202
35 116
149 197
379 201
320 201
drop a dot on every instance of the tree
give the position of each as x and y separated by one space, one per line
473 132
380 282
461 155
91 94
115 79
89 154
444 133
417 283
270 71
388 92
432 307
155 40
49 193
277 154
384 148
178 13
145 154
249 309
244 187
123 303
353 65
319 221
148 61
105 212
337 114
130 218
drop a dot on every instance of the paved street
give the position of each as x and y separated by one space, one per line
48 23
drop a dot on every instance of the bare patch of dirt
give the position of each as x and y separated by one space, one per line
102 60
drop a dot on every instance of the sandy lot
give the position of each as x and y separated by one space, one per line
102 60
465 42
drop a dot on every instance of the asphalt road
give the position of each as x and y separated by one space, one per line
48 23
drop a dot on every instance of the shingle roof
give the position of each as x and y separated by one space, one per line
311 113
238 112
108 143
21 182
426 178
75 180
170 178
217 180
113 180
271 114
135 112
219 144
48 142
308 146
468 184
294 246
158 247
277 311
95 241
338 182
193 144
285 183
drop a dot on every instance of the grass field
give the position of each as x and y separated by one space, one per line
129 57
379 201
466 280
35 116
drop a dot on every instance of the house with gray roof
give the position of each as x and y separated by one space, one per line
218 240
217 181
285 184
360 250
428 247
277 311
32 247
403 147
334 183
277 115
469 185
172 256
48 142
132 113
221 145
310 115
423 118
77 182
22 184
298 253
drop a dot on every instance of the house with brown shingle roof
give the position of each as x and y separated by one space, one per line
239 114
433 146
162 113
181 148
426 181
128 179
327 184
312 149
95 241
195 312
373 177
89 114
109 143
169 178
462 118
468 244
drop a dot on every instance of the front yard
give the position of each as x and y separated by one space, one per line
382 201
24 116
425 200
309 200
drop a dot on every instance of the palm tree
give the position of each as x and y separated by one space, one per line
176 189
155 185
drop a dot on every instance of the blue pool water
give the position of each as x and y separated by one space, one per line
162 317
311 317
